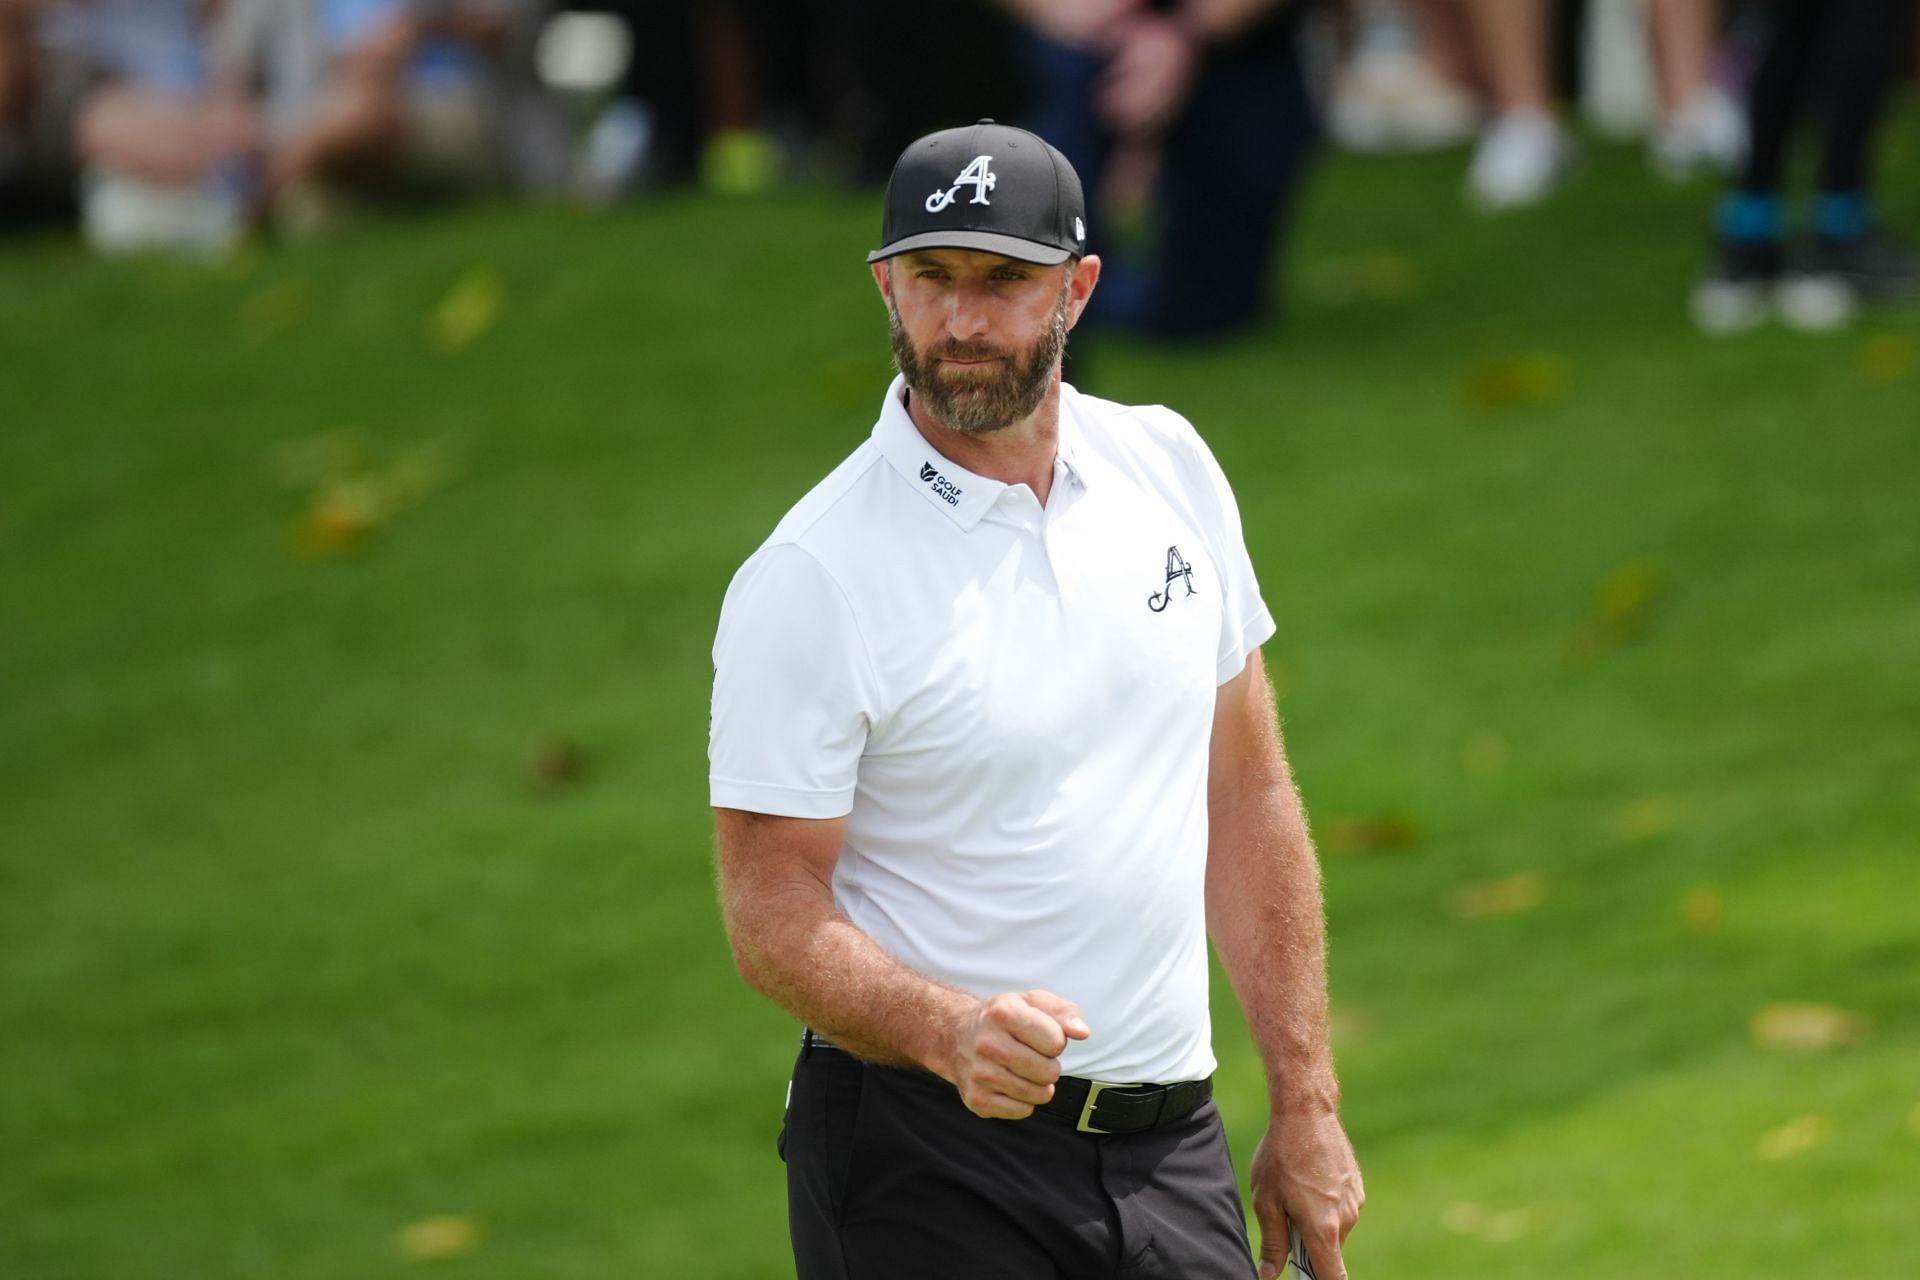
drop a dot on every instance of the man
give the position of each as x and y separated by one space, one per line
992 752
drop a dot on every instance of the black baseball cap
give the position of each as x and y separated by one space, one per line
985 186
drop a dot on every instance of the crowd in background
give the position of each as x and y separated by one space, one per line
191 124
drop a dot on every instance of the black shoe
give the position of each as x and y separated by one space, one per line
1738 293
1875 267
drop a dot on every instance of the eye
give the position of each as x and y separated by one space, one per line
1009 274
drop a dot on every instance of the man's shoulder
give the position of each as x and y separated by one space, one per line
1147 438
843 498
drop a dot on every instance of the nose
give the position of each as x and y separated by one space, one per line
967 311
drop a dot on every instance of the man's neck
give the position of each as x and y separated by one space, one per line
1019 453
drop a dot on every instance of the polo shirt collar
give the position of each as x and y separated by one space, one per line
936 477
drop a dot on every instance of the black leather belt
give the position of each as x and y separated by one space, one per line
1093 1106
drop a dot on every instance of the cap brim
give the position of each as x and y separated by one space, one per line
1044 255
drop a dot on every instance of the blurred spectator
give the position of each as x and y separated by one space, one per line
1403 84
38 96
152 143
1212 94
1850 47
384 97
1523 152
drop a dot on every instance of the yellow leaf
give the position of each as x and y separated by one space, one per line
1702 909
1521 381
1795 1137
1620 607
1495 1226
1387 833
1807 1028
1348 1026
1486 753
1889 357
467 312
1647 817
441 1239
1509 896
1381 276
277 309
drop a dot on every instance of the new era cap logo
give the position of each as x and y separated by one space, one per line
976 175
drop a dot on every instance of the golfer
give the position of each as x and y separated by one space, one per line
992 756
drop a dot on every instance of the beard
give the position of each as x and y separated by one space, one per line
987 398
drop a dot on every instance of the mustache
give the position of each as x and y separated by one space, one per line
968 351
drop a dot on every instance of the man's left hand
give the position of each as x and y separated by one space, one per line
1304 1174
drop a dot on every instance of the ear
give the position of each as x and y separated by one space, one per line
883 276
1086 274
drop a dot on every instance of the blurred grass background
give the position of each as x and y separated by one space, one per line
1599 657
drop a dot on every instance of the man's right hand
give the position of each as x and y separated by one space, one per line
1006 1052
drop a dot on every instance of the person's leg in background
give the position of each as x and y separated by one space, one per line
1522 153
1232 168
1849 247
1700 126
1751 221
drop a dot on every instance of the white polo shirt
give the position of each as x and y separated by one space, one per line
1012 707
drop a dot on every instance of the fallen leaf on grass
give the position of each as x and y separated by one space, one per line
1495 1226
277 309
1508 896
1795 1137
441 1239
353 495
1386 833
1702 910
554 765
1620 611
1647 817
1382 276
1889 357
466 312
1485 753
1517 382
1807 1028
1346 1027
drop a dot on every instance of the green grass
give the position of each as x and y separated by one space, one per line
291 955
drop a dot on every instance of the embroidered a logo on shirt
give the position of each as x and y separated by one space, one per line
1178 570
943 488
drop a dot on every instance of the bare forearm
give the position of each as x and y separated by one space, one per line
793 946
1264 913
1223 21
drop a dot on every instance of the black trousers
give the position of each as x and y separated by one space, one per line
1853 44
890 1177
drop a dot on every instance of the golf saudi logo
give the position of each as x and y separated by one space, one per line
976 175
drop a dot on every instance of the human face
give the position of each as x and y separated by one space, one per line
977 336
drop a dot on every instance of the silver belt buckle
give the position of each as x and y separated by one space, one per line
1094 1090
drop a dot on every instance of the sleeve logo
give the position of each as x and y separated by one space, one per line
976 175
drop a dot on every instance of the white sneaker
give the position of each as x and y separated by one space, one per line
1521 157
122 214
1708 133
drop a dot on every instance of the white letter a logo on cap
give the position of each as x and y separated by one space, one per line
976 175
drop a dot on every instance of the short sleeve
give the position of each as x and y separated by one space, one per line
1245 623
793 691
